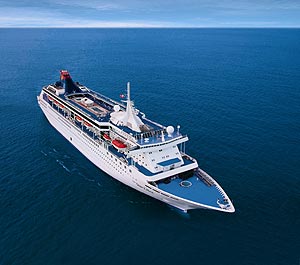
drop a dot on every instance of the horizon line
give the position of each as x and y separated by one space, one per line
152 27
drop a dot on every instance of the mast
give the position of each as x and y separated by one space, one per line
128 118
128 91
129 105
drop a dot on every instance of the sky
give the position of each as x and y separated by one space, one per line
154 13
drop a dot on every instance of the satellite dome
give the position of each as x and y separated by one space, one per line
170 130
116 108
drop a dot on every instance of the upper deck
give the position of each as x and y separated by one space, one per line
99 108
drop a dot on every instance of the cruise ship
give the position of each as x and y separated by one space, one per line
121 141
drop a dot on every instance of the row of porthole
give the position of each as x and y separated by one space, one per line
94 149
116 168
110 160
112 163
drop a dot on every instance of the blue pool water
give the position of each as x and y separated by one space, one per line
235 92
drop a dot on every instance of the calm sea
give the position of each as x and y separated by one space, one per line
235 92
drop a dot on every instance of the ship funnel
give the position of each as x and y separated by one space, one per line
67 83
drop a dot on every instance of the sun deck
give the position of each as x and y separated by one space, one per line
100 107
88 103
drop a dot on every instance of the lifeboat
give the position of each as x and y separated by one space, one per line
50 99
61 106
86 124
106 137
79 119
118 144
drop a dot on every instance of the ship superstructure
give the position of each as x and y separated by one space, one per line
121 141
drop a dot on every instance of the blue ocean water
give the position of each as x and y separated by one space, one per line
235 92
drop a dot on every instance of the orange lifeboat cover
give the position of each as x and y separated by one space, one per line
119 144
106 137
87 124
78 118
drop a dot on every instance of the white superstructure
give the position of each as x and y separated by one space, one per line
122 142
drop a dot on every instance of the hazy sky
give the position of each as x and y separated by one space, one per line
155 13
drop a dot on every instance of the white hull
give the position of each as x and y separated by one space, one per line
110 164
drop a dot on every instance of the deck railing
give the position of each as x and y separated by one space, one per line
205 177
